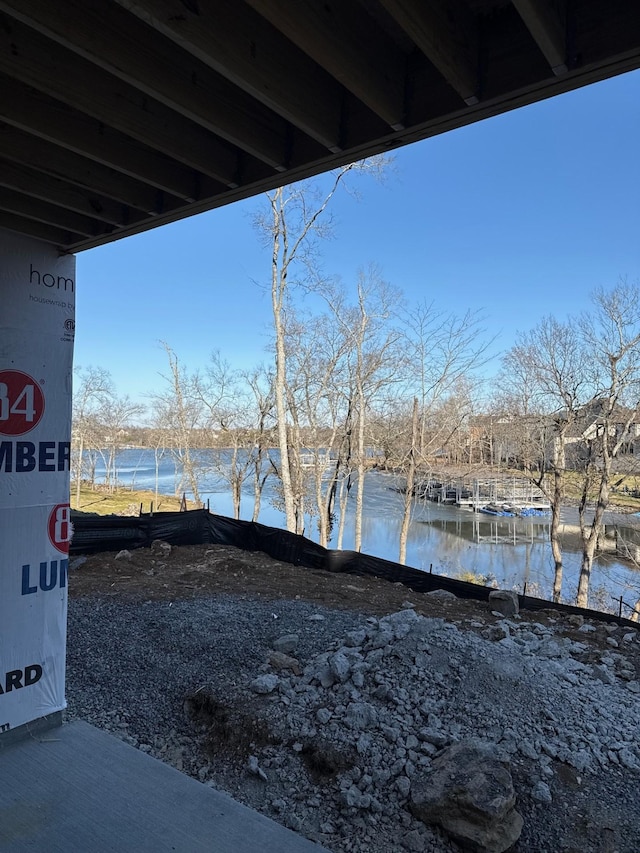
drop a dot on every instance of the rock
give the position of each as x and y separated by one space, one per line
433 736
504 601
160 548
286 644
575 620
279 660
541 793
414 841
355 639
527 749
360 715
470 795
264 683
340 667
255 768
441 594
604 674
123 555
323 715
494 633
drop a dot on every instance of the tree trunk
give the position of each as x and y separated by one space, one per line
556 508
361 475
79 471
283 441
345 487
258 484
411 476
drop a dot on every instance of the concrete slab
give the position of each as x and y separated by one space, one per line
77 789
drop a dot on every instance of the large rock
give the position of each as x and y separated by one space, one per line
505 601
469 793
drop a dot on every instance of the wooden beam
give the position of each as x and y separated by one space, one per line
43 211
20 147
23 107
120 43
233 40
37 185
31 58
47 233
547 28
345 41
448 35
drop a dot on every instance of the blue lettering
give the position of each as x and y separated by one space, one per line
6 456
26 589
47 584
51 576
45 456
25 456
64 454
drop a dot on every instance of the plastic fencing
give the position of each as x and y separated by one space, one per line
93 533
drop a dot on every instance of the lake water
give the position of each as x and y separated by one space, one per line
452 541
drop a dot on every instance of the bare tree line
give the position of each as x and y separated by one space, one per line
358 377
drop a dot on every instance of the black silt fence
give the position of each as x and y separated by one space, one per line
94 533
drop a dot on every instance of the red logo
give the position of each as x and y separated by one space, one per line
60 528
21 402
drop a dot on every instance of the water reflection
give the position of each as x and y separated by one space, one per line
451 541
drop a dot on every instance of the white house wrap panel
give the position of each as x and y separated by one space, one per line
37 306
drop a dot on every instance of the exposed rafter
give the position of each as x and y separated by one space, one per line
117 116
342 38
448 35
547 27
243 47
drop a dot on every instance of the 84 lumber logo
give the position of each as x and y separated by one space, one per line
21 402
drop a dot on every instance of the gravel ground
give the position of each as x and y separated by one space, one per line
176 677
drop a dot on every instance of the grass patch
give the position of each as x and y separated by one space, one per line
123 501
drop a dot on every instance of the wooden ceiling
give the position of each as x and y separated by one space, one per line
117 116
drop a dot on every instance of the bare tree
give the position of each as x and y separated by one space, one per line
317 348
223 395
260 382
116 416
440 355
547 377
179 411
612 337
373 360
410 481
92 389
443 351
585 376
295 220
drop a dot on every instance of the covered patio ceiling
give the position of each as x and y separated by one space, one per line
117 116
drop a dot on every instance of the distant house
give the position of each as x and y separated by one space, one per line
591 423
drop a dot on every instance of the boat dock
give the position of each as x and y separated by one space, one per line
508 496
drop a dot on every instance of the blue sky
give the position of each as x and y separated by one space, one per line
518 216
